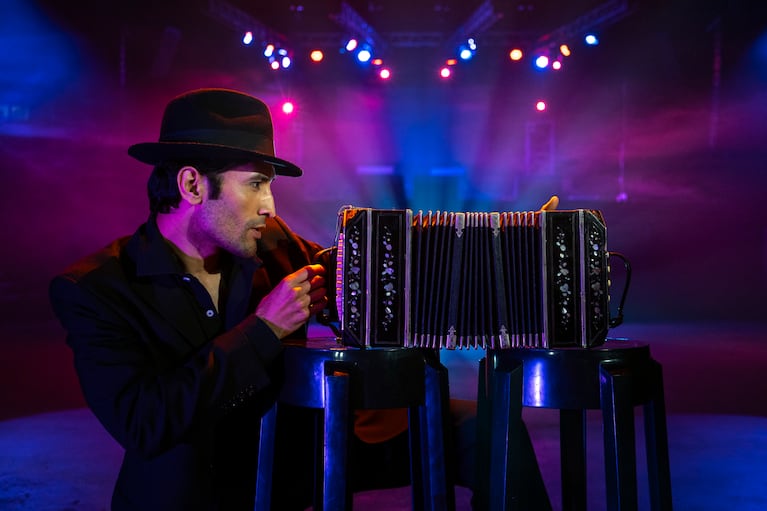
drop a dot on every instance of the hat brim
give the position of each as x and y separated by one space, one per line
156 153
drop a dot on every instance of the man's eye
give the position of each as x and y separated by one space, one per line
256 184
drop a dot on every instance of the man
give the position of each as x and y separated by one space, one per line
176 330
177 356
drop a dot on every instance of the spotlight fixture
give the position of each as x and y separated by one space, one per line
364 54
363 38
251 29
288 107
316 55
515 54
467 50
279 58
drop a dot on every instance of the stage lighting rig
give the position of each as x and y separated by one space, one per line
251 30
357 27
480 20
599 17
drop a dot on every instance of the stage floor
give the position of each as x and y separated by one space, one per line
54 455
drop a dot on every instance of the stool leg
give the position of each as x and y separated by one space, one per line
572 448
505 416
507 472
656 443
336 493
482 461
266 460
419 473
620 447
435 412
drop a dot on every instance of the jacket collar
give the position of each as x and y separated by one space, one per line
158 270
154 256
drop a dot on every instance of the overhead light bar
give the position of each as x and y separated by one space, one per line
601 16
350 20
253 31
480 20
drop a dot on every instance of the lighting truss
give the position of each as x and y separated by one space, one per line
480 20
243 22
601 16
349 19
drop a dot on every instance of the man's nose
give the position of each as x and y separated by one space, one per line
267 206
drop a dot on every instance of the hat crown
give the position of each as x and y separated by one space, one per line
215 123
219 117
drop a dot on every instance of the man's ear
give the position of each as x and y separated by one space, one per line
191 184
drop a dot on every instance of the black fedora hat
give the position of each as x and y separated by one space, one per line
215 124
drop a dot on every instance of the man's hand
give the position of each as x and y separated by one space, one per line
552 204
294 299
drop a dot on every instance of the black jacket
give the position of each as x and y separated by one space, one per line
179 385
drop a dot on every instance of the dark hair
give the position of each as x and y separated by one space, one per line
162 188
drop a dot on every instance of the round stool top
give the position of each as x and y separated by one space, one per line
569 378
379 377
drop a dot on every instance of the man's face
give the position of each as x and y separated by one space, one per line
233 220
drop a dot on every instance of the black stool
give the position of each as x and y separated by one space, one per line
337 379
613 378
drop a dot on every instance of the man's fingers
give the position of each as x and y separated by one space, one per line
317 282
552 204
305 274
313 270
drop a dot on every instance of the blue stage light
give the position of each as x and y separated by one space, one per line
365 54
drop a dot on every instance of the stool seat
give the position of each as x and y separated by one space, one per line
335 379
567 378
382 376
613 378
